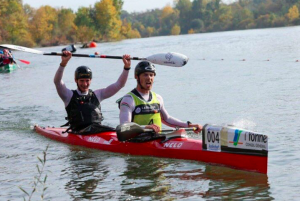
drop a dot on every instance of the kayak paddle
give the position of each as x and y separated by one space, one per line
23 61
167 59
130 130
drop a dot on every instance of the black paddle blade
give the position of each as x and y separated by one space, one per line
71 48
128 130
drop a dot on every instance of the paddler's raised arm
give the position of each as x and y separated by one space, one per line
119 84
64 93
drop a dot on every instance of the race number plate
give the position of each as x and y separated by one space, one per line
212 138
233 140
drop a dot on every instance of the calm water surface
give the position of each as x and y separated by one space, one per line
228 80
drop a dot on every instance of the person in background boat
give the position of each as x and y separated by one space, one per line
89 45
85 45
83 104
144 106
6 57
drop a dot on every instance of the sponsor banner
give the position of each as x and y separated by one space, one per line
247 140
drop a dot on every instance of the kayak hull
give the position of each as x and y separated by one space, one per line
8 68
178 148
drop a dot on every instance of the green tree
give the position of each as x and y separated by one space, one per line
108 20
197 25
29 11
42 25
263 21
198 9
14 23
85 34
84 17
240 16
168 19
118 5
66 25
185 8
150 18
128 32
224 17
141 28
3 10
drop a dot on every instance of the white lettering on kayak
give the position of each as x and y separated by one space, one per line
98 140
94 139
173 145
108 142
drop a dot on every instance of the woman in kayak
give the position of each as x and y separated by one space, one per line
145 107
83 104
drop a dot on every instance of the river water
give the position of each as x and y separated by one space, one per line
246 78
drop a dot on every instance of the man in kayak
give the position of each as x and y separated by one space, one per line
83 104
6 57
145 107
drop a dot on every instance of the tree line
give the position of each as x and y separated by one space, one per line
198 16
106 21
24 25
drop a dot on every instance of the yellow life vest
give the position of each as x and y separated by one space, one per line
146 112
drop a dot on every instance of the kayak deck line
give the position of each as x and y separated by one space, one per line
176 147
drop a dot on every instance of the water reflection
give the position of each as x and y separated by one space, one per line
155 178
85 173
222 182
95 175
144 177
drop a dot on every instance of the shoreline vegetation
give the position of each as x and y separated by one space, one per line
105 21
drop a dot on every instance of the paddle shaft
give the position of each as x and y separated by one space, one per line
130 130
92 56
172 59
146 130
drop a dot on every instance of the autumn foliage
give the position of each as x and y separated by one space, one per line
106 21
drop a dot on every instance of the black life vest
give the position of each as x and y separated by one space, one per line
83 111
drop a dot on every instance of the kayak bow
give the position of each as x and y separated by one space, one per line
214 150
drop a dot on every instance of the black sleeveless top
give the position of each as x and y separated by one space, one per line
83 110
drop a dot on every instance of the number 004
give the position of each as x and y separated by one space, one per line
213 137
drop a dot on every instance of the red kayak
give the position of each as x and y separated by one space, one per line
176 147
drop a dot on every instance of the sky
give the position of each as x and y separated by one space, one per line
129 5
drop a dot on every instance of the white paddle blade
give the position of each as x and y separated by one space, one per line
20 48
169 59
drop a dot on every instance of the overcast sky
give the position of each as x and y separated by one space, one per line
129 5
